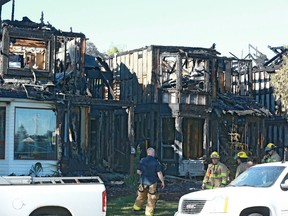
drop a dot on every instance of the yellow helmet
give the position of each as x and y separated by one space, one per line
214 155
241 154
270 146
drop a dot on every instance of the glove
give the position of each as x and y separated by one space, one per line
203 186
222 185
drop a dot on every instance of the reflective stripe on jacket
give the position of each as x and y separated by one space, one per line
215 176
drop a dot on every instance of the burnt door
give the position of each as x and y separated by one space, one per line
192 138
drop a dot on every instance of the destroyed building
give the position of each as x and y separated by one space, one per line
77 114
276 127
190 101
58 106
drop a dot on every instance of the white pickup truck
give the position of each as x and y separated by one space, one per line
53 196
262 190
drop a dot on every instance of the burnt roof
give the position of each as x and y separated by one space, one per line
26 23
239 105
26 91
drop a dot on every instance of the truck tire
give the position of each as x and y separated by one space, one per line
51 211
256 211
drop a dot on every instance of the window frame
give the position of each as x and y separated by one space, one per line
54 155
3 123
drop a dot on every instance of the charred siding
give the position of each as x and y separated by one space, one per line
179 109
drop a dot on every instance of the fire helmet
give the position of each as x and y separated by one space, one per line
270 146
241 155
214 155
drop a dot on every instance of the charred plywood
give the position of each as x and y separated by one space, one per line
243 116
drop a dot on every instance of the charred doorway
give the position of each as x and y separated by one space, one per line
192 138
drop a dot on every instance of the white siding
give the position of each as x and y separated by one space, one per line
21 167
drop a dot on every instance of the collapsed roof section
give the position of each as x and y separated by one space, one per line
239 106
36 58
263 63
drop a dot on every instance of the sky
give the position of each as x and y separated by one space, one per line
131 24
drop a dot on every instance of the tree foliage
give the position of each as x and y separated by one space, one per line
92 50
279 81
113 50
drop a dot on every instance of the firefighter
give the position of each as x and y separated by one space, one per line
243 163
151 172
271 154
217 173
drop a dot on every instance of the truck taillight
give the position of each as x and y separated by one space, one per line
104 201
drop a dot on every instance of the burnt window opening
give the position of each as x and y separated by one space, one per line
28 54
67 54
192 71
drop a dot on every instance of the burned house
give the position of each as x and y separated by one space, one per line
76 113
263 92
58 106
190 101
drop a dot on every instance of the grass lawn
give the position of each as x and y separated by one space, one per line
124 206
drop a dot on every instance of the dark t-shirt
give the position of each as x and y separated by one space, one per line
149 167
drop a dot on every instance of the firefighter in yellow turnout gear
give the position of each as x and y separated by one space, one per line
243 163
271 154
217 173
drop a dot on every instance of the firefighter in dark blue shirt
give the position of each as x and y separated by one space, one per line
150 171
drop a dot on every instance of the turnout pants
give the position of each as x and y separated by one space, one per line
147 192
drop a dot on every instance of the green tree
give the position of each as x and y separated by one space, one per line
112 50
279 81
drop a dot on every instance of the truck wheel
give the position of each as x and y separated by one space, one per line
49 214
255 214
256 211
51 211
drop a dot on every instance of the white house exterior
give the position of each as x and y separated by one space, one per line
16 159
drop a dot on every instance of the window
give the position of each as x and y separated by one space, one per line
183 99
2 133
28 53
165 98
35 134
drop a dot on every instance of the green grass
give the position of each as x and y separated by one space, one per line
124 206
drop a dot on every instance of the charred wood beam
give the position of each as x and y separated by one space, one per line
33 30
279 55
30 43
171 69
29 33
95 102
2 2
14 73
106 67
276 49
13 10
69 34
